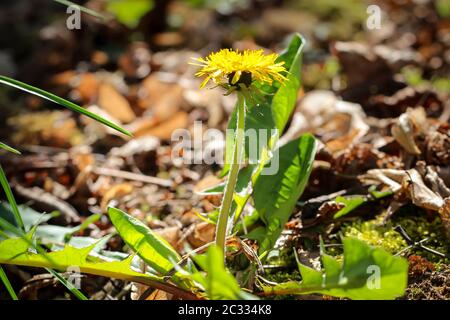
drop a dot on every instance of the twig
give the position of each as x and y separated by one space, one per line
132 176
49 202
413 244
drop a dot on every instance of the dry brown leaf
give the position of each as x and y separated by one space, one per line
411 182
207 182
322 113
115 104
86 87
408 125
159 295
171 234
161 99
203 233
116 192
136 146
135 62
163 131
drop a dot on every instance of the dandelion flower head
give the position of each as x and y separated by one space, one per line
233 67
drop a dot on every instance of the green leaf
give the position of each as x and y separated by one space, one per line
59 234
267 121
443 8
129 12
275 196
366 273
351 203
29 216
63 102
16 251
355 201
277 107
8 148
283 103
218 283
44 233
148 245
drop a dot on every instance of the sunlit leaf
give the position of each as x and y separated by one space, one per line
366 273
219 284
16 251
148 245
276 195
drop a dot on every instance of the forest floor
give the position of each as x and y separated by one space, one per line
376 100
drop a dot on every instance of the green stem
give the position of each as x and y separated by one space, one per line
222 222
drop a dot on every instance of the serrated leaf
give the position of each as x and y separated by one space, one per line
16 251
283 103
366 273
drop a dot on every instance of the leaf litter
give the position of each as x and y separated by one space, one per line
382 153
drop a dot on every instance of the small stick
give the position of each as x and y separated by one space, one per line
413 244
132 176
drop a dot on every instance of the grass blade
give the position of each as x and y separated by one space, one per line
8 148
20 232
7 284
77 293
82 9
5 225
58 100
11 200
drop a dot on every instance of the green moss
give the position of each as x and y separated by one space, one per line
419 227
376 234
283 276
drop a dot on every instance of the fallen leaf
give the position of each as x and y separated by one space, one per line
115 104
115 192
160 99
203 233
164 130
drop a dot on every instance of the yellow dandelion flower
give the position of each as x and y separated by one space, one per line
229 67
